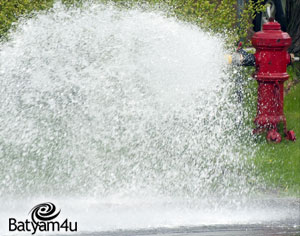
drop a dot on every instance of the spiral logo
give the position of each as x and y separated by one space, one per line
43 212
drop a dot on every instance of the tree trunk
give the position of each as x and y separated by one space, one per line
293 19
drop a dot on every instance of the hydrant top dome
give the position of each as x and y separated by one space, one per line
271 37
271 25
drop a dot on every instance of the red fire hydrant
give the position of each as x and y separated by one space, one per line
271 60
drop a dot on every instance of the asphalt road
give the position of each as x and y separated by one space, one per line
224 230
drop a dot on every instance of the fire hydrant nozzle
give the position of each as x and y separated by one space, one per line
241 58
294 58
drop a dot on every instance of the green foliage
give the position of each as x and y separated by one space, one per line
247 16
12 10
294 72
218 16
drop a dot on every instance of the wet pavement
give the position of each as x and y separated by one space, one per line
289 229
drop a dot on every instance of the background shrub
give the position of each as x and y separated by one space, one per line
218 16
12 10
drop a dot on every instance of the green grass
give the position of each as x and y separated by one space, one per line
279 164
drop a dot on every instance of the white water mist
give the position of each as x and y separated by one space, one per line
101 100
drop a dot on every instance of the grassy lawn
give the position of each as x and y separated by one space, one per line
279 164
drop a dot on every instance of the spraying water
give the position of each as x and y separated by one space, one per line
131 109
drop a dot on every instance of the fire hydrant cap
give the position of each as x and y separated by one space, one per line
271 25
271 37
